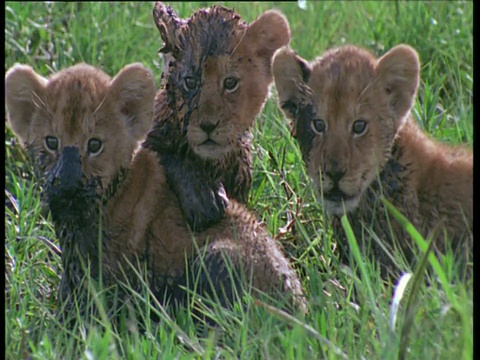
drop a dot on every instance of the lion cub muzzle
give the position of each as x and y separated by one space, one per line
67 182
67 174
332 170
208 134
68 192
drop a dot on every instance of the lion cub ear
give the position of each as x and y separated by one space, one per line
133 91
268 33
291 74
168 23
22 86
398 72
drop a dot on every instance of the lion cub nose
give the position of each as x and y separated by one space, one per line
208 126
335 176
334 171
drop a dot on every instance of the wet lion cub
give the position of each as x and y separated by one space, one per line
351 117
217 71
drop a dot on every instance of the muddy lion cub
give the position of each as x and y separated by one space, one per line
217 71
351 116
81 129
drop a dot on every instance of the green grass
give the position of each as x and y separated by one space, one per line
52 36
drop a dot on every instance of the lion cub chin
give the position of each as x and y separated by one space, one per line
350 113
113 211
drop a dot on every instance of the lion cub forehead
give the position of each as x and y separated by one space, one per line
82 84
218 65
343 69
214 31
71 98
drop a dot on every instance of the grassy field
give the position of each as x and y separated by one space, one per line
51 36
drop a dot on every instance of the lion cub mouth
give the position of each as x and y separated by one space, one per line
210 149
336 195
336 202
209 142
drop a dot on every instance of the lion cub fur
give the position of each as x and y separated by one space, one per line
351 117
83 129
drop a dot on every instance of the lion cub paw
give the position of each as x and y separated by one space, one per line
202 200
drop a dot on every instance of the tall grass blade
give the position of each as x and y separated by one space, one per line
358 256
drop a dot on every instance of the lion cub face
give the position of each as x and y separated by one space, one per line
217 72
80 125
346 108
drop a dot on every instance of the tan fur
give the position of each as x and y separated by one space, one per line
431 183
142 223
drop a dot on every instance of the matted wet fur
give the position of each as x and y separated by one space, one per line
217 71
350 113
111 204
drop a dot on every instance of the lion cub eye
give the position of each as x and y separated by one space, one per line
359 127
51 142
319 126
230 84
94 146
190 83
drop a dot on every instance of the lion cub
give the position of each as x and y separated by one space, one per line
110 201
81 129
351 117
217 71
